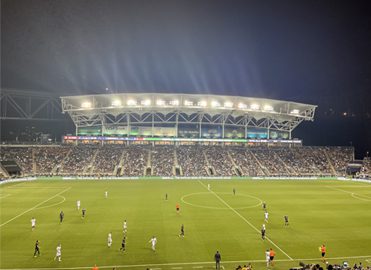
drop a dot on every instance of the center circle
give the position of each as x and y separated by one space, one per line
186 199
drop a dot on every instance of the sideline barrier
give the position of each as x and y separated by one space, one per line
56 178
18 180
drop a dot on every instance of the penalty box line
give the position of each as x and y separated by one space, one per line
37 205
196 264
244 219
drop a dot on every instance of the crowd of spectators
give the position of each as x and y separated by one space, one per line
77 160
192 160
135 160
246 162
107 158
339 158
46 159
220 160
163 162
21 155
335 266
366 168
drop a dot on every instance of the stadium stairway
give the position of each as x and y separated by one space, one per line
89 169
59 167
263 168
329 161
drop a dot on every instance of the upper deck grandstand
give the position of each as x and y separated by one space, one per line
185 116
131 135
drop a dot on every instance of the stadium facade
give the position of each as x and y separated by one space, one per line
183 117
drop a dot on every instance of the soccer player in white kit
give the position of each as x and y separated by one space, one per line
125 227
59 253
153 241
106 194
109 240
266 215
33 223
208 186
78 203
267 257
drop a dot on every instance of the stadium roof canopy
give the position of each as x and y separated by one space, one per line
141 108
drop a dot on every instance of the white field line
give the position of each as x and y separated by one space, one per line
244 219
353 194
37 205
6 195
54 204
196 264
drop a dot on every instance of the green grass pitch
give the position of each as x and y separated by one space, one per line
335 213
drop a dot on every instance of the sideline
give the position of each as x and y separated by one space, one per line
37 205
242 217
197 264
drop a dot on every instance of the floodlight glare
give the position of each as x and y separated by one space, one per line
202 103
228 104
295 111
132 102
255 106
116 103
86 105
174 102
146 102
188 103
242 106
268 108
215 103
160 102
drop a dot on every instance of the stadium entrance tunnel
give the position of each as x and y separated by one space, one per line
208 200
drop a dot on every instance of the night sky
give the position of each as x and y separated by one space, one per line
316 52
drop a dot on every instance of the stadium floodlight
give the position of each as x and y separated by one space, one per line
295 111
86 105
202 103
116 103
188 103
228 104
242 105
160 102
268 108
255 106
132 102
145 102
215 103
174 102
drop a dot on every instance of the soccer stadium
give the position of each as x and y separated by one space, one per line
185 135
198 173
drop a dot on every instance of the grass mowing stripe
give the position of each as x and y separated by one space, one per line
37 205
188 263
243 218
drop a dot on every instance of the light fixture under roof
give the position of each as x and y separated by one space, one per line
242 105
86 104
160 102
268 108
254 106
228 104
215 103
132 102
174 102
145 102
116 103
202 103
